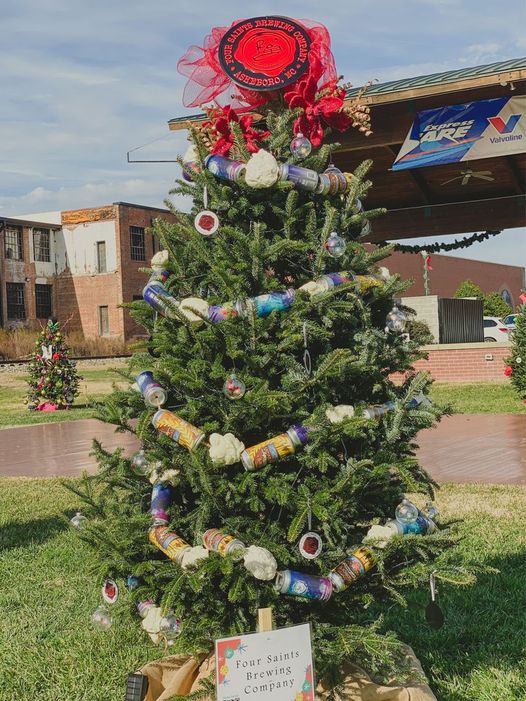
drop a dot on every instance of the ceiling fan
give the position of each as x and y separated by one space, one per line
466 175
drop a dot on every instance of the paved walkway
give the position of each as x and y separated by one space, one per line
488 448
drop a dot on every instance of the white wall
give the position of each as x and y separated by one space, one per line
76 247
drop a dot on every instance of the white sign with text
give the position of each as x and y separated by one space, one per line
273 665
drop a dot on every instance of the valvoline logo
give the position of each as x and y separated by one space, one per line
504 127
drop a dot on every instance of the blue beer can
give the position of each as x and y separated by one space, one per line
306 586
159 298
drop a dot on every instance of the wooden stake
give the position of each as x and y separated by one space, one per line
265 620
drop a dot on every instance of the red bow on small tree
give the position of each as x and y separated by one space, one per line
220 135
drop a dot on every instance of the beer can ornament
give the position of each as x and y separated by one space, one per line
154 395
273 449
310 545
168 542
110 591
215 540
305 586
225 168
355 565
162 497
179 430
160 299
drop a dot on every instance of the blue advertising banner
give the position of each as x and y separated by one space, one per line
467 132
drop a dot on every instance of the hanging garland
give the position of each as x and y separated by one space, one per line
437 247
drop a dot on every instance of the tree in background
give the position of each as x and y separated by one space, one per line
53 379
494 305
288 442
516 363
468 289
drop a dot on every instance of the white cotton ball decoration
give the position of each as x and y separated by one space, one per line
262 170
191 155
380 534
260 563
152 623
192 556
313 288
190 306
384 273
225 450
337 414
160 260
169 476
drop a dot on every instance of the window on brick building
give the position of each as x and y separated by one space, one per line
13 243
101 257
44 301
41 245
136 298
137 243
104 322
16 308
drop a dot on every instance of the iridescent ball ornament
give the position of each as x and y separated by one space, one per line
406 512
396 320
300 146
170 627
78 521
140 464
234 388
335 245
101 618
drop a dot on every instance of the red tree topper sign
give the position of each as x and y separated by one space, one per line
265 53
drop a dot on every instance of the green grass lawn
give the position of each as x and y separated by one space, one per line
480 398
95 385
49 651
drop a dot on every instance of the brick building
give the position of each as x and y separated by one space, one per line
448 272
77 265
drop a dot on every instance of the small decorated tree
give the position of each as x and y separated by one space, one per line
516 363
53 379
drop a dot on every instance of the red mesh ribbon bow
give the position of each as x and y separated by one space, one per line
208 83
218 127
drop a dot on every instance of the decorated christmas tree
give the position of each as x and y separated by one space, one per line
271 432
53 379
516 363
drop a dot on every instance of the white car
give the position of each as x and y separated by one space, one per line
495 329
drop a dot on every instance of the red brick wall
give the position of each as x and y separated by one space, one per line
77 300
468 364
448 272
132 280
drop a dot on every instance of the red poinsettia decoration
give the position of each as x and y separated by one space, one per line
508 371
325 104
220 136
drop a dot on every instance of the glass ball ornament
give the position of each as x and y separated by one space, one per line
335 245
78 521
170 627
140 464
234 388
396 320
432 510
101 618
300 146
406 512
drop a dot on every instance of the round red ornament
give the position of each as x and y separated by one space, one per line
508 371
265 53
310 545
206 222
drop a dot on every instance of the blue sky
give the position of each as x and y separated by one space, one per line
83 83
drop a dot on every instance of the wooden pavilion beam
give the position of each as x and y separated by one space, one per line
450 218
